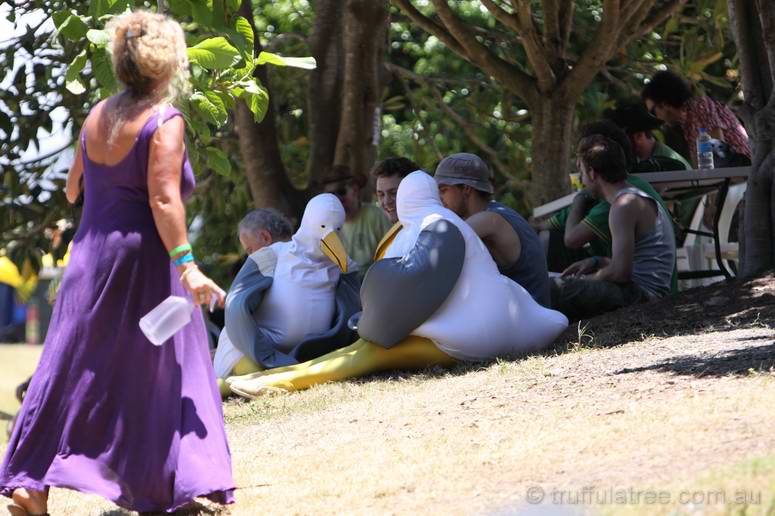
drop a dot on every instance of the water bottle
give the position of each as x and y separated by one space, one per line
704 150
167 319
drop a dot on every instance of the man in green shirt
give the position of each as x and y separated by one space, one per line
365 224
585 222
650 154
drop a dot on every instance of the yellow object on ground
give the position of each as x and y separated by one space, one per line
358 359
244 367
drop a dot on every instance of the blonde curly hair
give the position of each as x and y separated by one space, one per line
149 56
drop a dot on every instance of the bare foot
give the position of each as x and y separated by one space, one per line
32 501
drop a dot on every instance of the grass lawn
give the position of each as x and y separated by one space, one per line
17 362
622 418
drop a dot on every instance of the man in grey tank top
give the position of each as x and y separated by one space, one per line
642 241
465 186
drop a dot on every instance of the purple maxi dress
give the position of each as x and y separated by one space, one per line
108 412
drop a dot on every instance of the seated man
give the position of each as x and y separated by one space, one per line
289 302
641 265
434 298
466 188
585 222
258 229
387 175
263 227
651 155
365 224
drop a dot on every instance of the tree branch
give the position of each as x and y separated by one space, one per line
536 53
597 52
652 23
552 31
767 18
470 132
745 31
430 26
509 75
506 18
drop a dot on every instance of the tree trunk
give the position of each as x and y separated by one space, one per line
259 149
324 94
552 130
365 25
752 25
759 207
343 95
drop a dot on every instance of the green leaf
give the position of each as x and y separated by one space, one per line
233 5
213 54
219 15
218 161
202 12
307 63
73 76
180 8
256 97
242 26
75 86
100 38
99 8
71 26
102 69
211 107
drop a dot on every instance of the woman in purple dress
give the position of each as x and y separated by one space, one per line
107 412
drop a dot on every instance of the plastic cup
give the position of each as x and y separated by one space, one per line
575 181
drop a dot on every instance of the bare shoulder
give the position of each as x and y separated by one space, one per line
170 133
488 223
627 201
488 218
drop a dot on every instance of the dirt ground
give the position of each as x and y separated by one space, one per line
664 408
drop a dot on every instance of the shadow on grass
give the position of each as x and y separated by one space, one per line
194 509
726 305
737 362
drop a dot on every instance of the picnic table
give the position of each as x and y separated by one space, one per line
679 184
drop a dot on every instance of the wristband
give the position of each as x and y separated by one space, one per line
595 262
180 249
188 257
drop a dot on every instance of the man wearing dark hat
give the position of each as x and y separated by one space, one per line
465 186
651 155
365 224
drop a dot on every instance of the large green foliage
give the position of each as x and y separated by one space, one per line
66 55
436 104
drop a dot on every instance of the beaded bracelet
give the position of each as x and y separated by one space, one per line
180 249
183 274
188 257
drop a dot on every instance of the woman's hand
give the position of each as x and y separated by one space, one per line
201 287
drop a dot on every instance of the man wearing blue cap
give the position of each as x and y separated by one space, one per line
465 186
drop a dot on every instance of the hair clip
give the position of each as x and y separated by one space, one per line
130 33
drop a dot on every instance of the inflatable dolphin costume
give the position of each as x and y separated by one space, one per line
289 303
436 296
